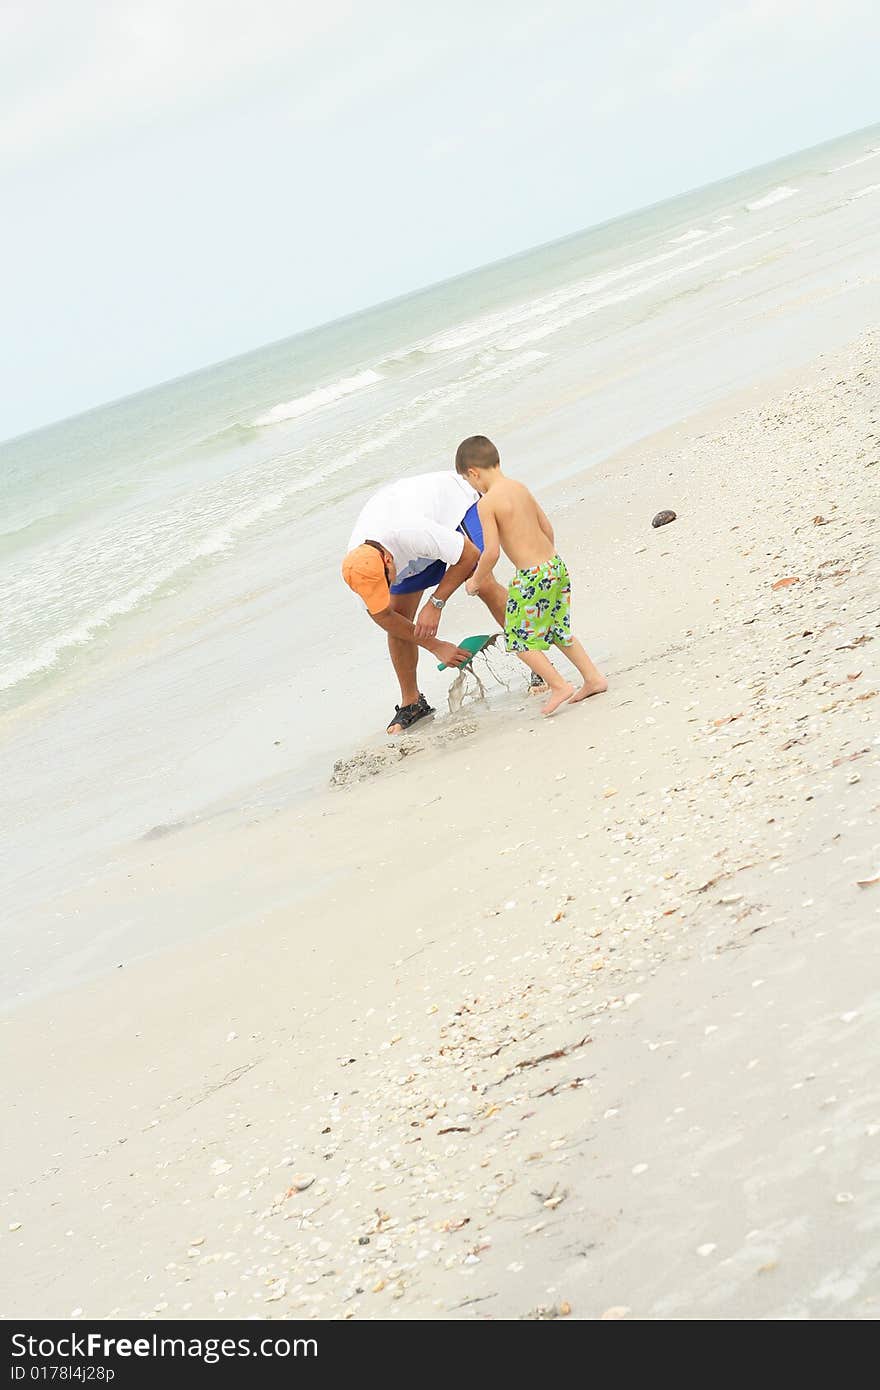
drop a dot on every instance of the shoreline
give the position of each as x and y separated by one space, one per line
644 908
378 750
205 701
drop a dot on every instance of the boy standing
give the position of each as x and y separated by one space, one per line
539 594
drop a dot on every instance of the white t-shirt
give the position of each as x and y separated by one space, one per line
416 519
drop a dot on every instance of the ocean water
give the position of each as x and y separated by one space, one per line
173 628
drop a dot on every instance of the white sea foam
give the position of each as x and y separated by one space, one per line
869 188
430 405
314 400
491 329
695 234
778 195
213 543
851 164
744 269
78 582
553 323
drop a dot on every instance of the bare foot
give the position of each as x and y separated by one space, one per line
560 695
589 688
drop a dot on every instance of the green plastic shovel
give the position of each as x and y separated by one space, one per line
472 645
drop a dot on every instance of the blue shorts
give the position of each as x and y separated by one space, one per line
427 578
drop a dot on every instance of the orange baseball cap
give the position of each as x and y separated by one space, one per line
363 570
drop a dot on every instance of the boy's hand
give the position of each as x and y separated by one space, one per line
427 622
472 587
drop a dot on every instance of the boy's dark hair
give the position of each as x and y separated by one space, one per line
476 452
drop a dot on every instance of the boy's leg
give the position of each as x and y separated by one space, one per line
494 595
516 624
594 682
560 690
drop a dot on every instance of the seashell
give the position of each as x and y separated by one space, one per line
300 1182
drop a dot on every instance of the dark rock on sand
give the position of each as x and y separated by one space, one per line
663 518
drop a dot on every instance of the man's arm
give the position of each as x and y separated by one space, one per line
491 546
429 616
396 625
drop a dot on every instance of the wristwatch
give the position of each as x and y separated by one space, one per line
437 602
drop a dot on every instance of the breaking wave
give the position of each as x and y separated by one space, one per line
778 195
314 400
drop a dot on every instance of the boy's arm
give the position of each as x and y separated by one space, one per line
458 573
491 546
544 523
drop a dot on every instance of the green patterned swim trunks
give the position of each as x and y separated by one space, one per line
538 602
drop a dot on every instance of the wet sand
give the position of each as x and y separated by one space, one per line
574 1017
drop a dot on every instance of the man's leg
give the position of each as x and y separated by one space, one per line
405 655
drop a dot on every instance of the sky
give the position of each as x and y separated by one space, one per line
184 180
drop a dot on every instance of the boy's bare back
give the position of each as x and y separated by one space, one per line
525 534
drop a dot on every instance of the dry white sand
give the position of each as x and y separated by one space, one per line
576 1017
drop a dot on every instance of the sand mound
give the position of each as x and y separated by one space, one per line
371 762
471 686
